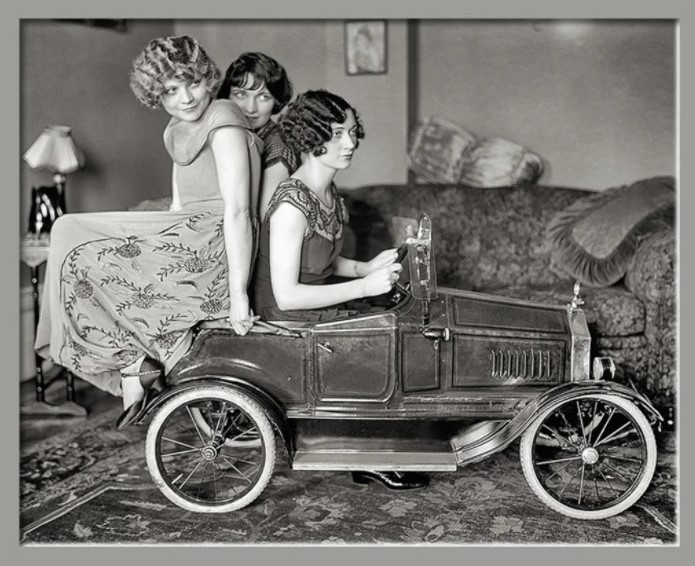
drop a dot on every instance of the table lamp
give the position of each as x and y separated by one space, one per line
54 150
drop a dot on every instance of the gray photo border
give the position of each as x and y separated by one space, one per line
308 9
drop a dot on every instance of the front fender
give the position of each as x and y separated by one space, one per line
501 434
271 407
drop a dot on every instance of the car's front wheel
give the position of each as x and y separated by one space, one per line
196 452
590 457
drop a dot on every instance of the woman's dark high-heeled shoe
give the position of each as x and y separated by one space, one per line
152 382
393 480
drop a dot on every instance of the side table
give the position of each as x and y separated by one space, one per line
34 253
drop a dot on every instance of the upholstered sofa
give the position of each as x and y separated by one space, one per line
496 241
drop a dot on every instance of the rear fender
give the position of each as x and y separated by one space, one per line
500 434
270 406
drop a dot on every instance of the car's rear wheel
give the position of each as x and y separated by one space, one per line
207 468
590 457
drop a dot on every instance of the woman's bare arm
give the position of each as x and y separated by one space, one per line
272 177
234 175
287 229
345 267
175 199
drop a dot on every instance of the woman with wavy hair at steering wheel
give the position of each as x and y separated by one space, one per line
302 230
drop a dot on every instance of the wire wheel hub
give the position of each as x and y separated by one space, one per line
208 453
590 455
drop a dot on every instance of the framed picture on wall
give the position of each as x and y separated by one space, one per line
115 25
365 47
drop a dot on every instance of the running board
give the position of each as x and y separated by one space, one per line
383 461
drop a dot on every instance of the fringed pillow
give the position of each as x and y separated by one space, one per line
496 162
437 150
444 152
595 238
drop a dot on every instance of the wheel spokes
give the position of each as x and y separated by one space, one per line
569 482
557 436
615 435
200 464
604 438
600 434
558 460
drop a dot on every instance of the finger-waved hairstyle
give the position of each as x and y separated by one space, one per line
265 70
165 58
306 125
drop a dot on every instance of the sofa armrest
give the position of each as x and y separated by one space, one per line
651 275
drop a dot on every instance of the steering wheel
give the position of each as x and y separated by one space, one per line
401 253
400 290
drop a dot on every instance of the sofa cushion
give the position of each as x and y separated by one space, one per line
595 238
610 312
442 151
437 150
497 162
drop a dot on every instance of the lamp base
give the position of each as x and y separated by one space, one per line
47 205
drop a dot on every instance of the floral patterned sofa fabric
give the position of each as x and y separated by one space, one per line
496 241
485 238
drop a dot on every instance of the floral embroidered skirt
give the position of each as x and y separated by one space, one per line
122 284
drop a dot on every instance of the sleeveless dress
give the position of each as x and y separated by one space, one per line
323 242
122 284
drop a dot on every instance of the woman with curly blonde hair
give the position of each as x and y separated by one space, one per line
124 289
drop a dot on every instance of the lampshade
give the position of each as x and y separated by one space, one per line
56 151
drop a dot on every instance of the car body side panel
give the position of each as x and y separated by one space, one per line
420 363
273 363
487 313
354 361
354 368
499 342
500 360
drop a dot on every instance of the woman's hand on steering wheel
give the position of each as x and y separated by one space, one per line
381 280
387 257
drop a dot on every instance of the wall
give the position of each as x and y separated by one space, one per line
77 75
595 99
312 53
381 101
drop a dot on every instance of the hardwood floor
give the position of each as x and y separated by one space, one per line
34 429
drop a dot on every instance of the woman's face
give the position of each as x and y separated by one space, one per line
185 99
342 145
256 104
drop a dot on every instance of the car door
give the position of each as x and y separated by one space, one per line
354 362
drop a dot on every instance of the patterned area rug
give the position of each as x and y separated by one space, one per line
91 486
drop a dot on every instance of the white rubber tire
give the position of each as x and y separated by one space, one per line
526 454
218 392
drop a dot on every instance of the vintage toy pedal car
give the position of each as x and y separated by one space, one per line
436 380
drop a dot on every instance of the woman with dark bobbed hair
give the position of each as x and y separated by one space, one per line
125 289
302 230
259 86
302 235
